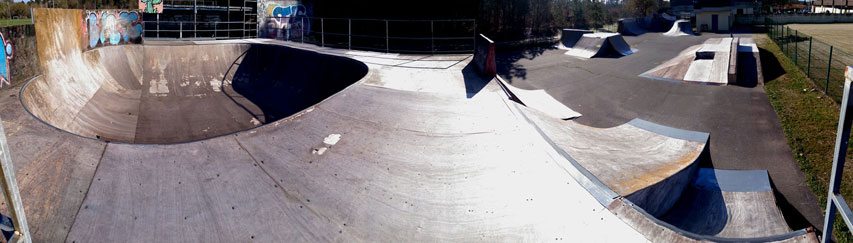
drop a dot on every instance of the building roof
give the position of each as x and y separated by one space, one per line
833 2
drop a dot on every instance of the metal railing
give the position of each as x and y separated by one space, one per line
384 35
835 201
823 63
196 29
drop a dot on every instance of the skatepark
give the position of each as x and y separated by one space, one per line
594 139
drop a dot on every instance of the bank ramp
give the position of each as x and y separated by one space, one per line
600 45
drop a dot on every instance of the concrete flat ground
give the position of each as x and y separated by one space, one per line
838 35
745 130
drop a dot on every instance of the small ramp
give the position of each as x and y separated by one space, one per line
538 100
730 204
570 37
630 27
680 28
600 44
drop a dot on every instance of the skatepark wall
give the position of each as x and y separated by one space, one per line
282 19
111 27
484 56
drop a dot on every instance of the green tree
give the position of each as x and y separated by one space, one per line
21 10
640 8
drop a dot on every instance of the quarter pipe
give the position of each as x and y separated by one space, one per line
680 28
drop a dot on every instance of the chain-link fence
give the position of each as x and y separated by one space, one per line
823 63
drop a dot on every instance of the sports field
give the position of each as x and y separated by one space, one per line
838 35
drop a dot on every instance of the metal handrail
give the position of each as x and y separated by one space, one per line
305 35
835 201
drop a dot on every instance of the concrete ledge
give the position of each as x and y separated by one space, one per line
484 55
733 60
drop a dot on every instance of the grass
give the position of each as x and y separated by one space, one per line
13 22
809 119
838 35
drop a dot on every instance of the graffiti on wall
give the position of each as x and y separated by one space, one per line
112 27
151 6
282 20
5 59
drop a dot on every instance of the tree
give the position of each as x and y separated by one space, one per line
640 8
20 10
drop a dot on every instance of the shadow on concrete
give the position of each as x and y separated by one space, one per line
474 81
282 81
770 67
793 217
701 211
507 61
747 70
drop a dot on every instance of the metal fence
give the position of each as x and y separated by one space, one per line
403 36
823 63
196 29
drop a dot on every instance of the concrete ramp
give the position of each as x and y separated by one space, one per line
648 163
599 45
570 37
680 28
729 203
539 100
630 27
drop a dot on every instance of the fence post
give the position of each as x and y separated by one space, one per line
838 160
349 33
796 46
387 36
322 33
13 194
809 65
432 36
828 69
181 29
788 41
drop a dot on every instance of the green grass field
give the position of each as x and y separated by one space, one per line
809 120
13 22
838 35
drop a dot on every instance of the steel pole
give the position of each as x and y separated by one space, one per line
838 160
349 33
432 36
809 65
322 33
796 46
828 69
387 38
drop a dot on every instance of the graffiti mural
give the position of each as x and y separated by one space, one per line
5 60
112 27
283 20
151 6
